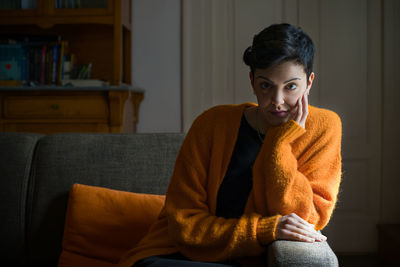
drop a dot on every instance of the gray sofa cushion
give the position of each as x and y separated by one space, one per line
15 156
37 173
283 253
140 163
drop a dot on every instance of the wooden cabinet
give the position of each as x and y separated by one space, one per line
51 111
54 106
99 34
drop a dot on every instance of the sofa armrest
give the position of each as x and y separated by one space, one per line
292 253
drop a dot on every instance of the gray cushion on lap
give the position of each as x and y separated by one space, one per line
289 253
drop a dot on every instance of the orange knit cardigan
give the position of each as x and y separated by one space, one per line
297 170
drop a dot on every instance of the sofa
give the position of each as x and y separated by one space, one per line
37 173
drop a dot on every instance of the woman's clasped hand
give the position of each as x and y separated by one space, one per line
292 227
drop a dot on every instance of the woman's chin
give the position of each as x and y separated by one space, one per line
274 121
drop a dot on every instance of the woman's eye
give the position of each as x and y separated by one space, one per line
291 86
265 85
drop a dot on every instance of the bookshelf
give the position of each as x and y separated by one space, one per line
97 33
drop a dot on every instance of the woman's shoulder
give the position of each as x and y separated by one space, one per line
219 118
213 122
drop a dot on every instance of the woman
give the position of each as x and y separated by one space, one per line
249 174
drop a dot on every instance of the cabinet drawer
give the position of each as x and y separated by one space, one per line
50 107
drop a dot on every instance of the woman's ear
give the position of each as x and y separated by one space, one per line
251 77
310 81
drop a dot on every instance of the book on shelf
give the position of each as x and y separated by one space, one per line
12 62
55 59
27 4
43 65
81 4
40 60
60 63
18 4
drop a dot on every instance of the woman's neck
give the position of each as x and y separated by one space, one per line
255 119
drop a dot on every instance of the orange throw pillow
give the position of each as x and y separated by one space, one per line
102 224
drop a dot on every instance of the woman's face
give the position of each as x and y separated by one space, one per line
278 90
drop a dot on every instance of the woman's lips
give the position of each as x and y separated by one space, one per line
279 113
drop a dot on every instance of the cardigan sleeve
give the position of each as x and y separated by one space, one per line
309 183
197 233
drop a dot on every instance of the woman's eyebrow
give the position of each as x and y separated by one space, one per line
293 79
265 78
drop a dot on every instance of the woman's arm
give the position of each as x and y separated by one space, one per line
307 186
291 226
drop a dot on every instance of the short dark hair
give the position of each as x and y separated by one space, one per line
279 43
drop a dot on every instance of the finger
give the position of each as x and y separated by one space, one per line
292 224
303 231
322 239
291 232
308 231
299 111
288 235
304 104
295 222
302 220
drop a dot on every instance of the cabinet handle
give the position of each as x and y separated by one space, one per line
55 107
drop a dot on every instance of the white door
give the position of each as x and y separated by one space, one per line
348 39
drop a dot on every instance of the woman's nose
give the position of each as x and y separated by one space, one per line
277 98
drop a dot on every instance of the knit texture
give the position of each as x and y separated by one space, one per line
297 170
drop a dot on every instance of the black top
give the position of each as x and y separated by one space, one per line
238 181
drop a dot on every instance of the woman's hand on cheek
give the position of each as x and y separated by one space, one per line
292 227
302 109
